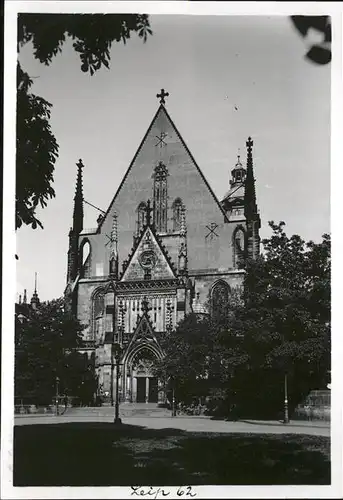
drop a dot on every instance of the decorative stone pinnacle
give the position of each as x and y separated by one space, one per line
114 232
162 95
183 227
148 213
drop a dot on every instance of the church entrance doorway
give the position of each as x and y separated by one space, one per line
141 386
144 383
153 390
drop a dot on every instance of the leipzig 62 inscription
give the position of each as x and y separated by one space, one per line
155 492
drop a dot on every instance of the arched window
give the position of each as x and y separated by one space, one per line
220 301
238 245
177 210
141 216
98 314
85 259
160 177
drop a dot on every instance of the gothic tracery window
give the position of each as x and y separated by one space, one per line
220 301
160 177
238 247
141 216
85 256
98 313
177 210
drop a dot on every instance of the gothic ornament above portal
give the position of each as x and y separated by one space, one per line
148 259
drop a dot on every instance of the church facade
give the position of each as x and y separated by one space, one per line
165 247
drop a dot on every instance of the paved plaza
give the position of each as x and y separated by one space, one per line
191 424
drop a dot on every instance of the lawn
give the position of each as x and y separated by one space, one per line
99 454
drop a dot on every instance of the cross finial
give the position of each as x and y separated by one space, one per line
162 95
80 164
250 143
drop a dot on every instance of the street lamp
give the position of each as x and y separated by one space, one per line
57 384
173 400
286 416
117 354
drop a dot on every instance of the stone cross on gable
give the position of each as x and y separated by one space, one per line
162 95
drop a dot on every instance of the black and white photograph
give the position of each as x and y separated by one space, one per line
167 248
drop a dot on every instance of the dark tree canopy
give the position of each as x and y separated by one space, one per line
279 323
46 347
37 150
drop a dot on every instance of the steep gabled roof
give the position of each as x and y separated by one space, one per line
161 109
160 251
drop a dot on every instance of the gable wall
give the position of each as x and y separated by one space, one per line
185 182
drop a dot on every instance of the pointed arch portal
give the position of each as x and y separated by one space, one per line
142 386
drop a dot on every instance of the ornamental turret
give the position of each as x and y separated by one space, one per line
35 299
234 198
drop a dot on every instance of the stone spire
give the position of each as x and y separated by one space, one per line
250 207
252 217
78 201
75 230
35 299
114 248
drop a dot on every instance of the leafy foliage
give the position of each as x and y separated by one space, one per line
185 364
319 53
37 149
280 324
45 348
92 35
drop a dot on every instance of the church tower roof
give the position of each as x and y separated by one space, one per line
35 299
238 173
235 195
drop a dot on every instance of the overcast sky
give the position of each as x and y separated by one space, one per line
209 66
